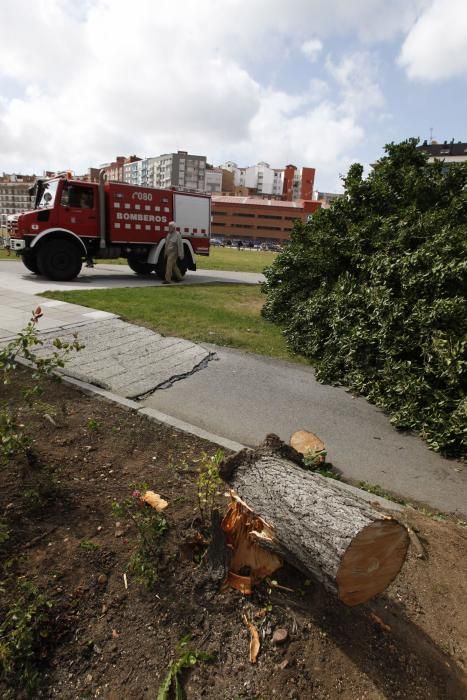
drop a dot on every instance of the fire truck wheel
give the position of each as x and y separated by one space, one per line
141 268
30 261
59 259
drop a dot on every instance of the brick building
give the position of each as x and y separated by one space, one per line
249 219
115 170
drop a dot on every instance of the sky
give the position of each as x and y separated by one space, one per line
319 83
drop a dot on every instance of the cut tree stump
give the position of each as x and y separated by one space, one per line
311 522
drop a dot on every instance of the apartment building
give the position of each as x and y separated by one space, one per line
14 195
116 169
181 170
326 198
449 152
250 219
213 179
289 183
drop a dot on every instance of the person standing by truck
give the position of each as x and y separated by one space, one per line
173 251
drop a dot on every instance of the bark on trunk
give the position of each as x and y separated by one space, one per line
310 521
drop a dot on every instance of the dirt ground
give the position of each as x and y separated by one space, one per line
104 640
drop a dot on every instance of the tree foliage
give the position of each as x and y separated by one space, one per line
373 291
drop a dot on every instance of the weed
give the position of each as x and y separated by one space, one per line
4 532
93 425
42 407
379 491
33 500
12 439
187 658
151 526
207 485
88 545
23 631
314 459
46 491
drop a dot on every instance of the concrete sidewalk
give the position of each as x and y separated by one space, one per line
16 309
128 360
15 277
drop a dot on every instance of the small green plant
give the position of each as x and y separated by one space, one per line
187 658
315 460
379 491
12 438
207 485
93 425
151 527
24 629
47 489
328 471
4 532
88 545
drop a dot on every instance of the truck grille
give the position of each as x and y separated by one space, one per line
12 226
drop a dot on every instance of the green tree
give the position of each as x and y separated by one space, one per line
373 291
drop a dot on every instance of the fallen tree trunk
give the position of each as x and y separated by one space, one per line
311 522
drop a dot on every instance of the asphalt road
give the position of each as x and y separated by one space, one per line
15 277
243 397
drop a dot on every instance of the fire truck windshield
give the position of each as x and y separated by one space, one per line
48 194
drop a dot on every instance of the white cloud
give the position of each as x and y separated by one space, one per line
93 80
356 75
436 46
311 48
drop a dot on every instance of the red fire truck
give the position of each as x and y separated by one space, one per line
75 221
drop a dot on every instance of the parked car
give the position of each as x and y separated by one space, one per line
216 242
271 247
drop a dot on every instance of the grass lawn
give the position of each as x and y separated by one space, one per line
236 260
6 255
224 259
227 315
219 259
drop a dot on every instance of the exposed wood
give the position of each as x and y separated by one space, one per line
154 500
311 522
309 444
249 562
254 640
417 545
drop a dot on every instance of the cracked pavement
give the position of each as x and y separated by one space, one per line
130 360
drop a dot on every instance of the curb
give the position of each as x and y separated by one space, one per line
153 414
206 435
180 425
